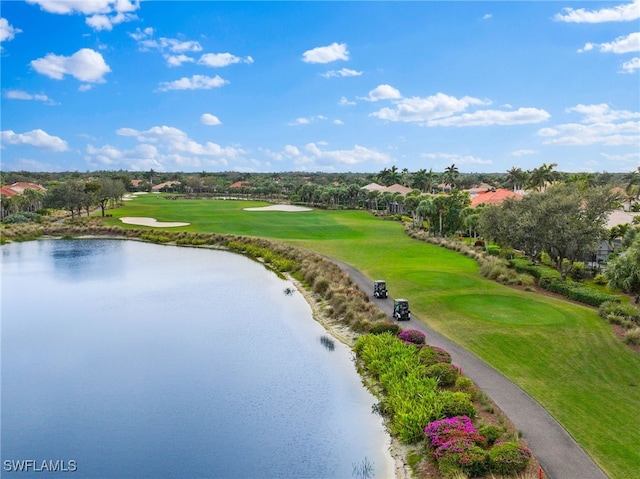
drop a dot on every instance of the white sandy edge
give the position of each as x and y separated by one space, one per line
289 208
142 221
342 333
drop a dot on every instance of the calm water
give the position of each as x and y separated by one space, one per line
145 361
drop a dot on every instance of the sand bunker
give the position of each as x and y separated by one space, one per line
139 220
289 208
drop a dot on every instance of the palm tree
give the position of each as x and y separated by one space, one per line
419 179
516 178
451 173
541 176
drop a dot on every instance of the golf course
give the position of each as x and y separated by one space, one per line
561 353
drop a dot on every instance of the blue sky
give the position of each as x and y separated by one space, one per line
319 86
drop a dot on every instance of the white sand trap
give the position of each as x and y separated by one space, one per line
141 193
289 208
142 221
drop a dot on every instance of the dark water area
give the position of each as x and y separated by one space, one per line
129 360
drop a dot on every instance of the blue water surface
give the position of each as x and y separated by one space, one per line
133 360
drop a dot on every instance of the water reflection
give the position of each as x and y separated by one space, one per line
79 260
327 342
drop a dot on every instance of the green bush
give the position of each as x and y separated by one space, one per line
578 271
384 327
508 458
464 384
493 250
473 462
446 373
601 279
457 404
491 433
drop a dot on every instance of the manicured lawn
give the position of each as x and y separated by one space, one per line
562 354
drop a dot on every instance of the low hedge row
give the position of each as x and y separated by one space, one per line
550 280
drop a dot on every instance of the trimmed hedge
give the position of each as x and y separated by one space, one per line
550 280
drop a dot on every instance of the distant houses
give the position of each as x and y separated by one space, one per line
18 189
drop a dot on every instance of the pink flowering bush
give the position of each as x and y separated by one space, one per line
455 444
412 336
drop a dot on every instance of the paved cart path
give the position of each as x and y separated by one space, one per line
556 451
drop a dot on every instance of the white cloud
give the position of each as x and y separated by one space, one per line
631 65
487 16
419 109
209 119
343 72
445 110
307 120
600 125
177 60
344 102
620 13
383 92
85 65
23 95
37 138
457 159
330 53
523 152
631 158
177 141
338 122
7 31
163 44
628 44
104 13
164 148
521 116
222 59
196 82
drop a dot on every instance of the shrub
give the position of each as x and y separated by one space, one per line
454 444
493 250
384 327
601 279
446 373
632 337
412 336
457 404
442 355
479 244
614 312
491 433
578 271
508 458
463 383
473 461
321 286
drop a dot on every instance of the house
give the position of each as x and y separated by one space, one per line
19 188
495 197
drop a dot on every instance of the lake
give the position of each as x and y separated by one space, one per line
122 359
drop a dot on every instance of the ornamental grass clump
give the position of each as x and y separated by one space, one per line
412 336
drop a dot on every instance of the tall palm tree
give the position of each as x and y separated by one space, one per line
516 178
542 176
450 176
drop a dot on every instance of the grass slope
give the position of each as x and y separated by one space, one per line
562 354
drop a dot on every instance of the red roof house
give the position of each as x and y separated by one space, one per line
493 197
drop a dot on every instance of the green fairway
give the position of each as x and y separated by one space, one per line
562 354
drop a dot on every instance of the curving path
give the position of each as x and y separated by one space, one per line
556 451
